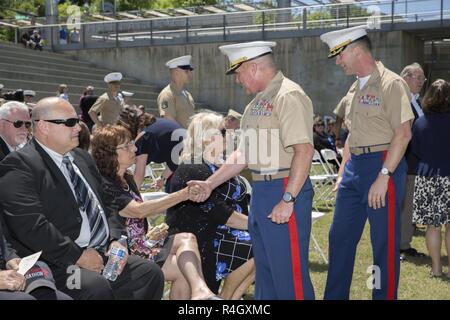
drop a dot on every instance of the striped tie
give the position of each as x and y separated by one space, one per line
88 203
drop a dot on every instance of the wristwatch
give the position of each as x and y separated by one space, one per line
288 197
386 172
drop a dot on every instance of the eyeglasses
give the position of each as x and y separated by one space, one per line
71 122
19 123
421 79
130 145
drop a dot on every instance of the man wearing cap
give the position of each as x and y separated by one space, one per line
52 200
37 283
110 104
15 122
233 120
28 98
278 123
174 101
372 179
126 96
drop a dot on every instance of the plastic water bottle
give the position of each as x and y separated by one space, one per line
116 255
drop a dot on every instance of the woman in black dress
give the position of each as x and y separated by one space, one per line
218 223
114 152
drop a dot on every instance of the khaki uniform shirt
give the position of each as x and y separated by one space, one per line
108 107
275 120
177 104
376 110
339 111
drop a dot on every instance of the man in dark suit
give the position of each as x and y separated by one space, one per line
14 124
414 76
51 200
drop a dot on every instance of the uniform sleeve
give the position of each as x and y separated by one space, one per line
166 105
339 111
98 105
398 103
296 119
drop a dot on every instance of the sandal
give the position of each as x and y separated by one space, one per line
433 275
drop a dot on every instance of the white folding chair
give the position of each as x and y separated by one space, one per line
330 158
153 196
323 182
316 215
153 171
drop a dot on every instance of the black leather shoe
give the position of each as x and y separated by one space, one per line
412 253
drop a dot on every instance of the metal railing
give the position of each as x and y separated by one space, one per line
245 26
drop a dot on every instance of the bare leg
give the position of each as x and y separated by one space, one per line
184 262
434 240
179 289
238 281
447 245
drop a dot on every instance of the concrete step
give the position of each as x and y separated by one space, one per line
73 82
25 54
51 87
38 69
42 64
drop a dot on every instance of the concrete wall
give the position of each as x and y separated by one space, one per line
304 60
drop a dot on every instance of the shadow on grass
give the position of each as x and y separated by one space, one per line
318 267
424 261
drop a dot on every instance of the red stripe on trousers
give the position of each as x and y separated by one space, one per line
295 253
391 237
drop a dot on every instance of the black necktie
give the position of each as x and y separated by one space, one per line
88 203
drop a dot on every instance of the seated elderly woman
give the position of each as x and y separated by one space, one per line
179 258
218 223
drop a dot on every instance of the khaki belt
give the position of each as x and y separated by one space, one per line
270 177
363 150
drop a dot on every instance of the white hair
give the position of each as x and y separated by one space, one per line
409 70
7 108
201 127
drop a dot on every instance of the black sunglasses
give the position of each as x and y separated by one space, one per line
71 122
19 123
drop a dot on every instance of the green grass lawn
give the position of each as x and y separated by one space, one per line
415 282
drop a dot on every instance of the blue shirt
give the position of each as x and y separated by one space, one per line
63 34
431 144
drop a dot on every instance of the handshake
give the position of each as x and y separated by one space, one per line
194 192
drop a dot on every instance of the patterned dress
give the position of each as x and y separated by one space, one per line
233 247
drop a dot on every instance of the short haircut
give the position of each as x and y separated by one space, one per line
437 97
7 108
409 69
363 42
